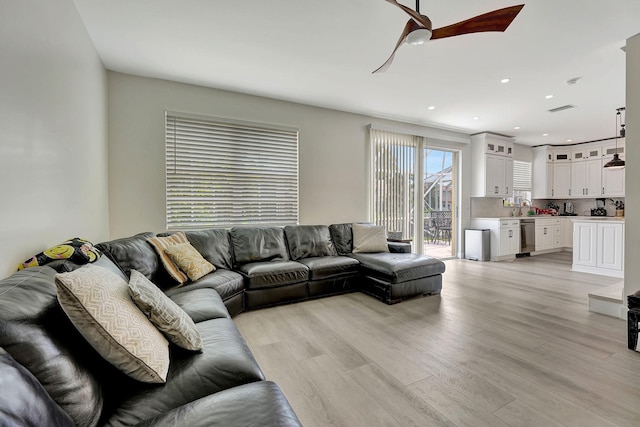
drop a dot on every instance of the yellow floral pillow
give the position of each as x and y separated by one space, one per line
189 260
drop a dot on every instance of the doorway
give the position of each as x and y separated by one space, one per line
438 202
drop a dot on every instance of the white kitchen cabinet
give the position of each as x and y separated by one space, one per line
598 247
509 237
613 180
561 155
585 238
492 165
500 147
585 152
586 178
505 236
562 180
574 172
547 234
610 246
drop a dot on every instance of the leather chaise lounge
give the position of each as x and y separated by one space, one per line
58 379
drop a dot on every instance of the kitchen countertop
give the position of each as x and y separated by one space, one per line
572 217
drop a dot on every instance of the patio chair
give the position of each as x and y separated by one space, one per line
442 225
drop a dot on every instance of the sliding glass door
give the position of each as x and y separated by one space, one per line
438 201
413 191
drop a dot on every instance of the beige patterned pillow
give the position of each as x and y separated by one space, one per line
165 314
98 304
160 244
189 260
369 238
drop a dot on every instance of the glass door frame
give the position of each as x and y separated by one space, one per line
419 215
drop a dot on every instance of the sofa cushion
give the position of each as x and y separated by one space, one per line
369 238
271 274
201 304
330 266
98 304
269 407
342 236
37 334
307 241
165 314
398 268
214 245
226 283
189 260
23 401
255 244
135 253
225 362
160 244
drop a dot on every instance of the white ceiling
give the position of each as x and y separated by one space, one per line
322 53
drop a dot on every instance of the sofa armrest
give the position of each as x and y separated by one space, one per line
259 403
399 247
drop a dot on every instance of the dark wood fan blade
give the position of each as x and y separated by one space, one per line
421 19
498 20
403 36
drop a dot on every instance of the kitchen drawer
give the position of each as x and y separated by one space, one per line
547 222
509 223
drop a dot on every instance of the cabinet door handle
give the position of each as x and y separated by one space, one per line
602 190
545 230
507 190
569 191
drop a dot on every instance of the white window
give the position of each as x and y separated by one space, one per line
222 173
521 182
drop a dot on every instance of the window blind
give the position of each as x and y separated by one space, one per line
222 173
394 160
521 176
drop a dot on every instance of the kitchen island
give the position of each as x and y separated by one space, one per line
598 245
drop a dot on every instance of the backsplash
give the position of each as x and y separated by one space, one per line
491 207
581 206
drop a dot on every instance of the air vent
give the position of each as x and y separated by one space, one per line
564 107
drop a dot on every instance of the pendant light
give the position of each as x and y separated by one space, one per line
616 163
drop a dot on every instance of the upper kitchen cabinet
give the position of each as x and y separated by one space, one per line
613 180
586 171
576 171
492 165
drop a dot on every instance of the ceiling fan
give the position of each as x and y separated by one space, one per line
419 30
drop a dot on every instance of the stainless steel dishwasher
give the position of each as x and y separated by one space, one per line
527 236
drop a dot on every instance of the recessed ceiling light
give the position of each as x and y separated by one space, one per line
569 140
545 134
432 107
549 96
517 127
476 118
505 80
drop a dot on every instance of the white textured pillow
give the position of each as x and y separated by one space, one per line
369 238
168 317
98 304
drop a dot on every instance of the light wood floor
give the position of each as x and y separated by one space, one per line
506 344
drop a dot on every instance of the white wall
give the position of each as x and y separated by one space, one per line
53 116
333 163
632 171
